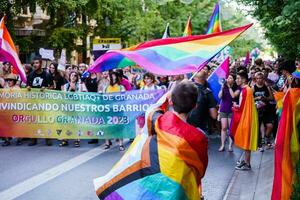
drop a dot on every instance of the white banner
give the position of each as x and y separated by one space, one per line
47 53
62 60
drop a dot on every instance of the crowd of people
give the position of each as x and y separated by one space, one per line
264 77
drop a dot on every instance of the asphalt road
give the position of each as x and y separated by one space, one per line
46 173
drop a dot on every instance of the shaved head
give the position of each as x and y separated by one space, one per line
200 77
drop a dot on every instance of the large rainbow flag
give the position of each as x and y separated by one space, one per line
162 163
214 25
215 79
287 147
244 124
170 56
8 50
188 28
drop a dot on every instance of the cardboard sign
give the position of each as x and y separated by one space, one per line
47 53
62 60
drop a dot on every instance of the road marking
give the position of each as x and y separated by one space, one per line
232 181
31 183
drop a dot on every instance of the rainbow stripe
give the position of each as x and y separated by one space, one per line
215 79
287 148
8 50
278 96
244 124
170 56
296 73
214 25
188 28
167 161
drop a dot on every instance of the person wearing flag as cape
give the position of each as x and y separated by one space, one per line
244 126
287 146
173 158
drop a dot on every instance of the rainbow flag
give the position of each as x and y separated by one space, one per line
278 96
216 78
287 149
161 163
188 28
214 25
244 124
8 51
170 56
296 73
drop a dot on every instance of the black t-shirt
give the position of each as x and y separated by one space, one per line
36 80
262 104
199 116
59 81
91 84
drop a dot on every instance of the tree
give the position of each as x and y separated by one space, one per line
133 21
282 23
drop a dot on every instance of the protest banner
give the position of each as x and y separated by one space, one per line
82 115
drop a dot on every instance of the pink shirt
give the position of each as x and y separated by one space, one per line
126 84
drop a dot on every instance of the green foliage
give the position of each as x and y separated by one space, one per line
296 187
281 19
63 38
241 45
137 21
25 43
134 21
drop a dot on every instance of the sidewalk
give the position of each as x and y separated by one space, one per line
255 184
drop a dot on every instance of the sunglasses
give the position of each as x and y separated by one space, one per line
7 80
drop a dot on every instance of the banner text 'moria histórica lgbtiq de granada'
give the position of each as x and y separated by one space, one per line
83 115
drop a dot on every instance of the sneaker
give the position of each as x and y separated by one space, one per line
63 143
240 162
19 142
269 146
244 166
261 149
121 148
6 143
76 144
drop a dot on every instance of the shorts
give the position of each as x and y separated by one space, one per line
225 115
267 117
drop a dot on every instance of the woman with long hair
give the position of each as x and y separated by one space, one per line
73 86
58 80
227 95
114 86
